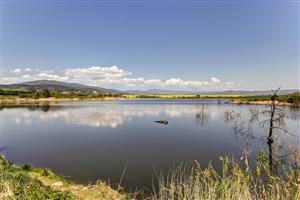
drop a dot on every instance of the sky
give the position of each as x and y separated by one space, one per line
168 44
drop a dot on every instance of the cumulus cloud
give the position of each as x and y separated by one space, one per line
26 76
174 82
17 70
112 77
52 77
27 69
97 72
230 84
215 80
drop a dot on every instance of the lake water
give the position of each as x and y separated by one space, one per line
97 140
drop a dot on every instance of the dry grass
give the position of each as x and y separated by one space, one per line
236 182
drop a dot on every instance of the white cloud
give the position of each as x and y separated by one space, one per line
153 82
20 70
174 82
27 70
230 83
26 76
96 72
17 70
188 84
215 80
52 77
114 77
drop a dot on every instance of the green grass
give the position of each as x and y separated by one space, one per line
289 98
28 183
15 183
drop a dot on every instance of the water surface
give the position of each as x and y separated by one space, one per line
97 140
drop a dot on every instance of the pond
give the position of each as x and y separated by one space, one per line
87 141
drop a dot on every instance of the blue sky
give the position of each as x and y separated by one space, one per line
190 45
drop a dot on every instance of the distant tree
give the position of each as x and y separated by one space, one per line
42 93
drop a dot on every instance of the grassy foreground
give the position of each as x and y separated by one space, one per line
235 182
183 183
24 183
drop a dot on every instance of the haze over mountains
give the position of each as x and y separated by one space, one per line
75 87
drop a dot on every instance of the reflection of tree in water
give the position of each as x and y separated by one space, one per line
294 113
201 115
43 107
243 130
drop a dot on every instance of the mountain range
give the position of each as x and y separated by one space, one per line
76 87
57 86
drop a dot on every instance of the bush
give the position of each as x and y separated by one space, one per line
294 98
42 93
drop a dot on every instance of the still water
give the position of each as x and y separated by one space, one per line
97 140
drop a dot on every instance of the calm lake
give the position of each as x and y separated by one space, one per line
97 140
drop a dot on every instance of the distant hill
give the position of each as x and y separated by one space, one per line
76 87
258 92
57 86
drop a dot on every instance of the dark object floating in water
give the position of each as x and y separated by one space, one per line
165 122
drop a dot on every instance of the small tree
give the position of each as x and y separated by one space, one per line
42 93
274 121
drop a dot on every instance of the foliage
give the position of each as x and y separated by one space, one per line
44 93
289 98
41 93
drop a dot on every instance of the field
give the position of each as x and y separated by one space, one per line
183 96
289 99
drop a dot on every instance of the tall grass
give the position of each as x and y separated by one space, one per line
236 181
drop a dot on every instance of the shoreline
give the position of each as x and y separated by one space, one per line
50 100
245 102
53 100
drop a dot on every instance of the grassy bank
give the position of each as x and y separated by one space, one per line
25 182
236 181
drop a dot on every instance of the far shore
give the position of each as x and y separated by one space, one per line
238 101
53 100
50 100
